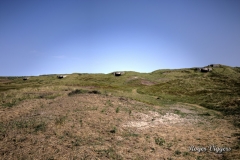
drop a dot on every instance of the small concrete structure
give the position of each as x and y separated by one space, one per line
25 78
118 73
61 76
214 65
205 69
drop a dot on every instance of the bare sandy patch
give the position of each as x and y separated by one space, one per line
147 83
154 119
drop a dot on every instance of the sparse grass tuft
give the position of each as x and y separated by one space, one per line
177 152
159 141
109 153
185 153
205 114
77 141
81 122
104 109
130 112
130 134
114 130
30 125
40 127
77 91
9 105
117 110
60 120
94 92
109 103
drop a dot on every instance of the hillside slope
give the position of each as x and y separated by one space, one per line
134 116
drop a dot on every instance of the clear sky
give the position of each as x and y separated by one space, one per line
101 36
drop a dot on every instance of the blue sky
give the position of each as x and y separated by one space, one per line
101 36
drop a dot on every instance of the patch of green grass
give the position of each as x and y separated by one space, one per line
117 109
9 104
22 124
104 110
2 130
130 112
200 158
93 108
186 153
60 120
52 96
205 114
77 141
159 141
68 133
50 157
237 145
109 103
40 127
30 125
114 130
130 134
42 106
81 122
169 145
177 152
109 153
77 91
178 112
94 92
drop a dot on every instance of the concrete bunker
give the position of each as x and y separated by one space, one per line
25 78
214 65
205 69
118 73
61 76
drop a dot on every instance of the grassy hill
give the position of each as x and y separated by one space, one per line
218 92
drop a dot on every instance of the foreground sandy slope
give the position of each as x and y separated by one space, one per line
97 126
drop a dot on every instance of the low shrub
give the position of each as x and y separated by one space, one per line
159 141
94 92
77 91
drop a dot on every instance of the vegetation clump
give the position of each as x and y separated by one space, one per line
94 92
81 91
77 91
159 141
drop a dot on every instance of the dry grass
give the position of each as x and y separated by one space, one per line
158 115
99 126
